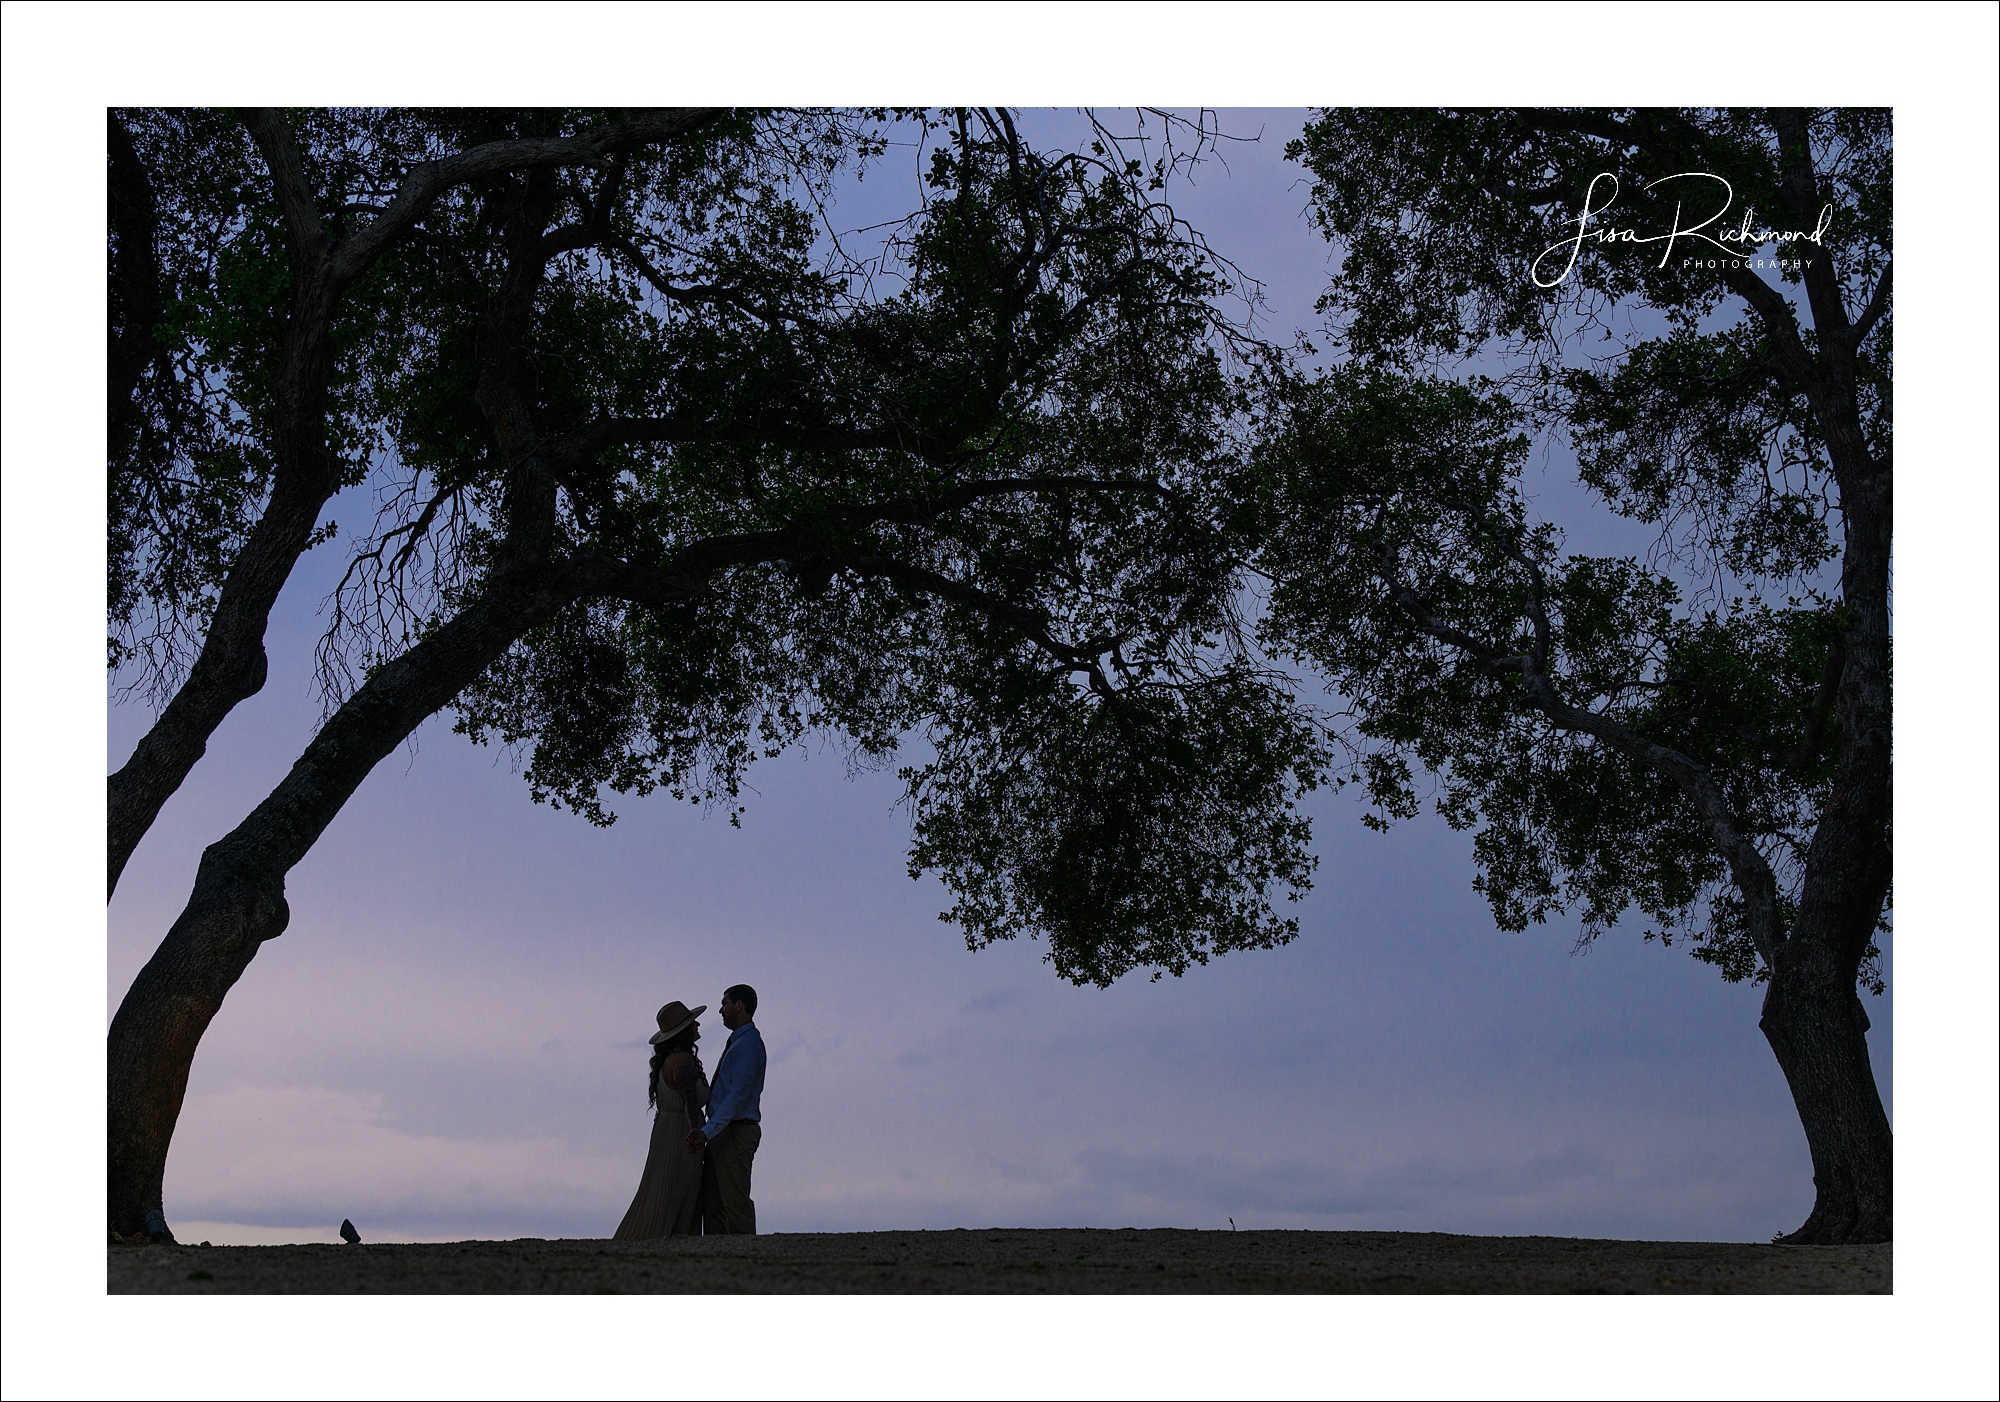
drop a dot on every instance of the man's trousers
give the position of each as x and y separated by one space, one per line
726 1206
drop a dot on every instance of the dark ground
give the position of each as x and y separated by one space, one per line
1014 1261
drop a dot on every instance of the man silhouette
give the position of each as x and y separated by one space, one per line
735 1125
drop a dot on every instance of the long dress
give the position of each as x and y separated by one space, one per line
668 1202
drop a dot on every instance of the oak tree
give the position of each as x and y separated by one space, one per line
671 480
1699 303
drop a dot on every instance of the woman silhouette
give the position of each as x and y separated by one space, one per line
668 1202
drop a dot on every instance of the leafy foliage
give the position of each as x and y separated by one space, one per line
187 474
1408 566
951 494
1443 217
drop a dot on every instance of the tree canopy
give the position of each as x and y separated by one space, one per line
964 507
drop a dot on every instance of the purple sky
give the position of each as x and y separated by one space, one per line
449 1040
401 1025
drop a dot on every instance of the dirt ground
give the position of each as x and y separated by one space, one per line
1011 1261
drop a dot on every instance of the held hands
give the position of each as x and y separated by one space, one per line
696 1141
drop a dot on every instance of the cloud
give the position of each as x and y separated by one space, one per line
1318 1188
278 1156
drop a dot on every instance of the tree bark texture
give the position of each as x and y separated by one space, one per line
1817 1029
1812 1017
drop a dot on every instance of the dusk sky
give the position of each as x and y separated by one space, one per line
449 1041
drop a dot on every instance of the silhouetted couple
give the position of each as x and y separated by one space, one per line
697 1178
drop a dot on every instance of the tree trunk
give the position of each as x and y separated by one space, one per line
233 910
1812 1016
1817 1028
231 668
135 292
239 893
232 665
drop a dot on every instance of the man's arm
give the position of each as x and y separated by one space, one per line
719 1095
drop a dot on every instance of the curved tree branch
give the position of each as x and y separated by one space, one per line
232 665
288 178
1799 188
1751 872
426 184
1878 306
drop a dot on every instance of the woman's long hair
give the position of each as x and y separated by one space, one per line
682 1040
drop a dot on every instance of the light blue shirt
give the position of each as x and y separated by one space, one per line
738 1083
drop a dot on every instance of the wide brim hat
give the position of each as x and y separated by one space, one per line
675 1017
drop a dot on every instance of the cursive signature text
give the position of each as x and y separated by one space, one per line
1746 235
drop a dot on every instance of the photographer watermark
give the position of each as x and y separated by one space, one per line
1739 243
